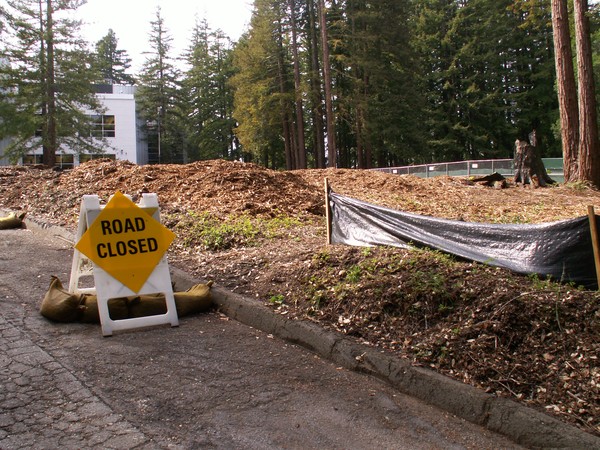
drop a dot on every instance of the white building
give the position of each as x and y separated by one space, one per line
119 125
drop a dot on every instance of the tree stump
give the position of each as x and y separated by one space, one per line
529 168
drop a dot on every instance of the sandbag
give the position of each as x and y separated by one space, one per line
12 221
117 309
59 305
147 305
196 299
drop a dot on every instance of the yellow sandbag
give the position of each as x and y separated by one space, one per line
196 299
117 309
147 305
60 305
12 221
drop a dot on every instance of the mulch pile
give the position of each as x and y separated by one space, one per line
534 341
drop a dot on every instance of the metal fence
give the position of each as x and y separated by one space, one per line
505 167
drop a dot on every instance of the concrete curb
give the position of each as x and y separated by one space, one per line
523 425
43 228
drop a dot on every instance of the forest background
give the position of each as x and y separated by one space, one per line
397 82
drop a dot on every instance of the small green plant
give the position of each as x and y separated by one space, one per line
373 265
445 307
318 298
322 257
443 353
538 283
354 273
366 251
442 258
209 232
212 233
432 282
278 299
273 227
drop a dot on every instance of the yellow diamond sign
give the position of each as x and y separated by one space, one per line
126 241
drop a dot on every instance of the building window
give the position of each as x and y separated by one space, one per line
29 160
102 126
85 157
62 161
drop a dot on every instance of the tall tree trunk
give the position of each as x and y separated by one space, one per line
293 146
290 162
365 159
369 153
50 147
331 144
360 156
589 159
315 82
567 91
300 145
42 72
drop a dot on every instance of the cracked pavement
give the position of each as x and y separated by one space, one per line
212 382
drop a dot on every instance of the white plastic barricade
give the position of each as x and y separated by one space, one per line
138 220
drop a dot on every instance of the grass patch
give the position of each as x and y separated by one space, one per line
206 231
420 277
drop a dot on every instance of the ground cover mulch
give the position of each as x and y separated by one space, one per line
516 336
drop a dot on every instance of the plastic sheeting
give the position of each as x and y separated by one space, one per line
561 250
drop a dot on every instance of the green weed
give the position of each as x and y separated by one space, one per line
277 299
366 251
322 257
204 230
273 227
354 274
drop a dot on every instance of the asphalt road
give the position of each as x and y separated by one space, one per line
212 382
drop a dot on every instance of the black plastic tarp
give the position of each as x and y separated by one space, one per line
561 250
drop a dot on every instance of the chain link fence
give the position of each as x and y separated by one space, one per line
505 167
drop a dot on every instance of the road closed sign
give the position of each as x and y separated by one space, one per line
126 241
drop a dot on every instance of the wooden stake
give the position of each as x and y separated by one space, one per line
595 246
327 211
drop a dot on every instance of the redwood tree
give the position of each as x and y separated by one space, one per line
578 120
589 159
330 119
567 90
300 149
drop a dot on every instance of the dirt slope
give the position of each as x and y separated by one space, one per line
520 337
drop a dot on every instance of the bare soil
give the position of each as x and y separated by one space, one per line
515 336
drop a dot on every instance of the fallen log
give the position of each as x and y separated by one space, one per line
494 180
